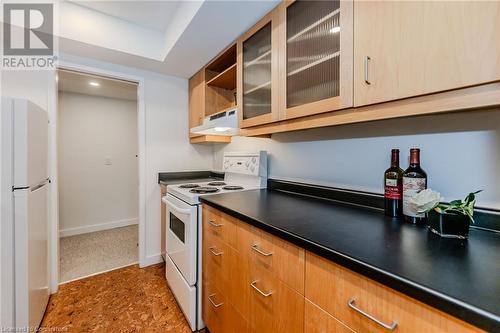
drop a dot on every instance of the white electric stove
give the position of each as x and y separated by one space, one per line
242 172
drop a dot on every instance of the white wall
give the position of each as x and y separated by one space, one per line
460 153
93 194
167 143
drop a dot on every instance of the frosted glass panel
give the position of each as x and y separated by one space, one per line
257 73
313 51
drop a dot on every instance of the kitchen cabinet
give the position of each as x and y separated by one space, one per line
397 59
315 57
257 64
197 99
256 282
352 298
319 321
211 91
409 48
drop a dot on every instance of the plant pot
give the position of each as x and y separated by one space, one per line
449 225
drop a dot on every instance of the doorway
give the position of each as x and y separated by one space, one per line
98 174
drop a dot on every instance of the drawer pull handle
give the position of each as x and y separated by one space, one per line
390 327
215 253
213 303
254 286
255 247
213 224
367 64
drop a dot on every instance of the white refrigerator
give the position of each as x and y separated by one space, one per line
24 216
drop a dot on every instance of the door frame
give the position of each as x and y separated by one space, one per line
53 157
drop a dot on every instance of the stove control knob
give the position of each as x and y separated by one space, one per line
254 160
252 168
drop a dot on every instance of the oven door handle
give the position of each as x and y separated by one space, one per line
170 205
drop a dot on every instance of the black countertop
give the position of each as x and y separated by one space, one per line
170 178
461 278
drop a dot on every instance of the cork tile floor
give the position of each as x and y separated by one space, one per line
129 299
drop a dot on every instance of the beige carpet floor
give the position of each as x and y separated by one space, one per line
96 252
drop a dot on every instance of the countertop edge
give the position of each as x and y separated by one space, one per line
459 309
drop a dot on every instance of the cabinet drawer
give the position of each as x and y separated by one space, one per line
223 267
284 260
274 307
219 225
218 314
344 294
318 321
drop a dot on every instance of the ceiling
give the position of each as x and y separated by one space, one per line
75 82
169 37
148 14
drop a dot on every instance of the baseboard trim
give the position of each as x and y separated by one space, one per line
151 260
98 273
97 227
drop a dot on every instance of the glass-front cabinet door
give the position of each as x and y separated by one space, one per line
317 54
258 73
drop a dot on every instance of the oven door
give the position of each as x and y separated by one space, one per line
182 232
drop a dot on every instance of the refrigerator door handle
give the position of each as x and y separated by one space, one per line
36 187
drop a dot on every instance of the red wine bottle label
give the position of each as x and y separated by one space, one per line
412 186
393 190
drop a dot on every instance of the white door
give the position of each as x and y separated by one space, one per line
182 230
31 259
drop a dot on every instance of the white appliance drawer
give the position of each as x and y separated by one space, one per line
184 293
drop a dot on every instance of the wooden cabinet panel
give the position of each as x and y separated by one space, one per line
219 225
280 258
421 47
226 271
318 321
197 99
316 56
219 315
257 72
274 307
332 287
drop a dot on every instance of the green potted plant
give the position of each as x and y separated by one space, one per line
448 220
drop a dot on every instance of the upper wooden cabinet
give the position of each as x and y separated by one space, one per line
296 61
315 57
197 99
258 72
409 48
212 90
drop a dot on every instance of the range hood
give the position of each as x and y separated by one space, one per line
223 123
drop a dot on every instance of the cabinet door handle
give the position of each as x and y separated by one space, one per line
254 286
213 224
213 303
390 327
255 247
215 253
367 65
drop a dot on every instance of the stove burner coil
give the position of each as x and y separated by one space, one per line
204 189
189 186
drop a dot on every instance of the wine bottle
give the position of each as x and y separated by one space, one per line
393 182
414 181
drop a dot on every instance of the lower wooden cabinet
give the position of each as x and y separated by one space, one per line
280 258
218 313
318 320
274 307
287 289
351 298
